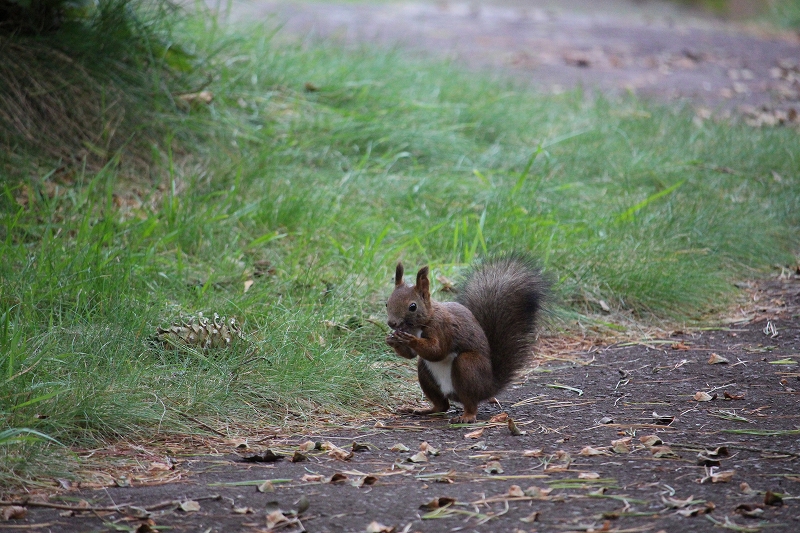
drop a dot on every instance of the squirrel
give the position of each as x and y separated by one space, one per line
470 349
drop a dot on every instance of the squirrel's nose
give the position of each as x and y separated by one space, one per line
392 323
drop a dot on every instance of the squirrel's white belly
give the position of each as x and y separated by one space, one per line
442 372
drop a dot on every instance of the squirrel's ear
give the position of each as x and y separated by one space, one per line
423 285
398 275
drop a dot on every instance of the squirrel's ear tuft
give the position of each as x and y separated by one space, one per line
423 285
398 275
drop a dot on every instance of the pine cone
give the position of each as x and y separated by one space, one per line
199 332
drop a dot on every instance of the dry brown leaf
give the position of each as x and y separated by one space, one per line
533 517
621 445
437 503
701 396
202 97
663 452
360 447
243 510
502 417
297 457
446 284
14 512
588 475
747 489
538 452
419 457
276 518
307 446
399 448
651 440
267 486
189 506
428 449
337 453
723 477
538 492
377 527
368 481
589 451
749 510
493 467
515 491
247 284
680 346
770 498
312 478
478 433
338 478
717 359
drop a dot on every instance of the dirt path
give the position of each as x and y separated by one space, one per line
585 462
654 49
615 440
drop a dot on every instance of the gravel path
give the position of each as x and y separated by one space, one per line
653 49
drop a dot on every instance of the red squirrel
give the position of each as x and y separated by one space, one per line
472 348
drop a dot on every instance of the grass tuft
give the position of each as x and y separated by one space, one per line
314 170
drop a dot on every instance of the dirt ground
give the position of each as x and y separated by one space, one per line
636 436
694 431
655 49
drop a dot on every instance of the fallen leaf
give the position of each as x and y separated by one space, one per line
428 449
14 512
243 510
360 447
651 440
749 510
589 451
514 430
338 478
533 517
338 453
189 506
663 452
502 417
729 396
266 457
515 491
307 446
493 467
606 420
680 346
588 475
377 527
538 492
717 359
677 503
718 477
276 518
298 457
419 457
747 489
701 396
368 481
247 284
719 451
437 503
662 420
478 433
621 445
267 486
399 448
538 452
311 478
302 504
770 498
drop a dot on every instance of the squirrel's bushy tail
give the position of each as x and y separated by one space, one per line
506 295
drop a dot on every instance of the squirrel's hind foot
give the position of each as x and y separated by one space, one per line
464 419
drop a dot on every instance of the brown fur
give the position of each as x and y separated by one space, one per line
487 333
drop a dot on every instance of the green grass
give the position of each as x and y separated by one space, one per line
391 158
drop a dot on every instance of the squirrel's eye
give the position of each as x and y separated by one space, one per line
412 307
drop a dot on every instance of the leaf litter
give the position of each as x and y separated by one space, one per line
672 468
